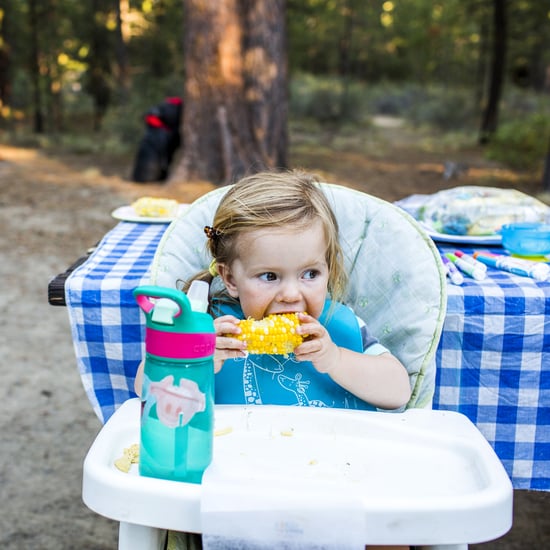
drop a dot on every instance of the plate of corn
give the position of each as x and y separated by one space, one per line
149 210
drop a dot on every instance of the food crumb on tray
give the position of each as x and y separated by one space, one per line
130 456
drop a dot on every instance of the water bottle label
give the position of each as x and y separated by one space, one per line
176 405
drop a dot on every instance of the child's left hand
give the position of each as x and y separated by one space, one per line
318 346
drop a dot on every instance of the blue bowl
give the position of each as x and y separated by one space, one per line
526 239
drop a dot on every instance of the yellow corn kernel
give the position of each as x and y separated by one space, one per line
152 207
274 334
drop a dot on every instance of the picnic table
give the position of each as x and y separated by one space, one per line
493 359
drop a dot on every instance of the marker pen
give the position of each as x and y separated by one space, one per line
452 272
536 270
470 260
465 267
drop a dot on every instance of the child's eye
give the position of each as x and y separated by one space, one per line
269 276
311 274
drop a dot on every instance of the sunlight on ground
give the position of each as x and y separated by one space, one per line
388 159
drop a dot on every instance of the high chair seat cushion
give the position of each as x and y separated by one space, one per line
396 279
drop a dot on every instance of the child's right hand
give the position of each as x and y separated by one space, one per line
227 347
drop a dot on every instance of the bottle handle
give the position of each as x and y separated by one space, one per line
145 295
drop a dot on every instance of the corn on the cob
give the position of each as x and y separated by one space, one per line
152 207
274 334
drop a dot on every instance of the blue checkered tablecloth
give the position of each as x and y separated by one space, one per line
494 366
493 358
106 323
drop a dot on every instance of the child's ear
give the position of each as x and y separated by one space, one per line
225 273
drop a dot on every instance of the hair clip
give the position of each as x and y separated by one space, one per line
213 268
212 232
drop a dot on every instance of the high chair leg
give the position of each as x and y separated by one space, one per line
140 537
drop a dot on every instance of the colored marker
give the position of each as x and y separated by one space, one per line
471 260
536 270
452 272
465 267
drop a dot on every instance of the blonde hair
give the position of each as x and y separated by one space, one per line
276 199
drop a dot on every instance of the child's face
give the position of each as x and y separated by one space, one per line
279 271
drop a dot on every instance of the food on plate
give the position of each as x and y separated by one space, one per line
479 211
154 207
274 334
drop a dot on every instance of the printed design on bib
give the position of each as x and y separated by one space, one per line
251 388
277 366
299 388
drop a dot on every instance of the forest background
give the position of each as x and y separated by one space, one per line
380 95
80 75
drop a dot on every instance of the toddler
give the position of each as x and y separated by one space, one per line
274 244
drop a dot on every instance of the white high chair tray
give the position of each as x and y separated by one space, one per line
421 477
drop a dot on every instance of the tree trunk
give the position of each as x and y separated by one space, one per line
5 56
235 97
500 31
35 68
99 67
121 31
481 68
546 174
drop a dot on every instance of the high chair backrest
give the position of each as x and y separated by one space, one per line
396 281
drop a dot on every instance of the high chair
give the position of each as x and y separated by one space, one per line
398 286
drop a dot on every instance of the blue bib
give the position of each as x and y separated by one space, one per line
281 380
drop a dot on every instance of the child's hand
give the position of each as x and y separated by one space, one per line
318 347
227 347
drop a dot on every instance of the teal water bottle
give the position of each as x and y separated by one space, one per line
177 401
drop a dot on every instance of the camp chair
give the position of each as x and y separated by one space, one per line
396 284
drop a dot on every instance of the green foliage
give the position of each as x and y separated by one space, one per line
422 61
445 109
326 99
394 99
521 143
436 106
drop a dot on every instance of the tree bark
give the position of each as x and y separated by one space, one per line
34 63
5 56
489 122
546 174
122 8
235 96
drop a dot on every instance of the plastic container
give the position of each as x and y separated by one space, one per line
177 402
526 239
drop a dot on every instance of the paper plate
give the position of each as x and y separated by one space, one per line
462 239
128 214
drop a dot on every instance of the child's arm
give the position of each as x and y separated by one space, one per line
138 382
378 379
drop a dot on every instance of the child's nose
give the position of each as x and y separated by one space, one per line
290 292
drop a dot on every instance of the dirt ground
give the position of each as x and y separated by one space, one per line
52 208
